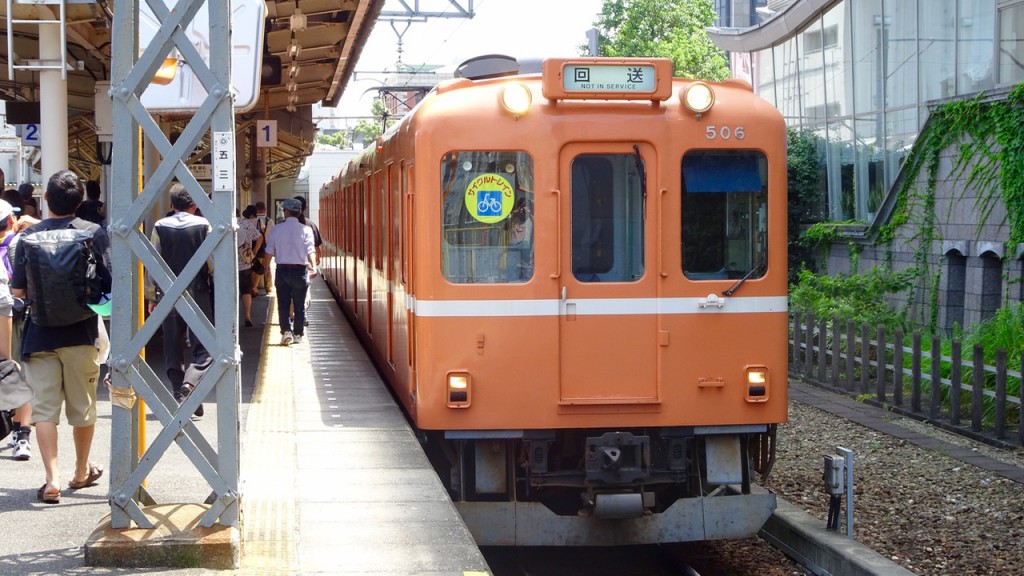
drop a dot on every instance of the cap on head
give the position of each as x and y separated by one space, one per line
291 205
6 210
26 190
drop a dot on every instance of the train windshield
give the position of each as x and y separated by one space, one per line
487 217
607 218
724 230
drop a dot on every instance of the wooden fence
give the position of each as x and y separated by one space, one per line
970 398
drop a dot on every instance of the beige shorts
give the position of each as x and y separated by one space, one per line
64 376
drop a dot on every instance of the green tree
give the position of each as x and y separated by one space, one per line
340 139
370 130
666 29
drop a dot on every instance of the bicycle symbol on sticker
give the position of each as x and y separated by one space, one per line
488 203
489 198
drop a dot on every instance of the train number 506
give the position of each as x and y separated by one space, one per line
725 132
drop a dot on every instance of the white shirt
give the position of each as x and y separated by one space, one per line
290 242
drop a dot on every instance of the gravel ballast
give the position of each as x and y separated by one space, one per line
924 510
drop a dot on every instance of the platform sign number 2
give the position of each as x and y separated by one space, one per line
30 135
266 133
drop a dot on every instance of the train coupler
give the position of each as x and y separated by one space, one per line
618 458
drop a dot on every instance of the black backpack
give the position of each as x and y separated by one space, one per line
63 276
261 227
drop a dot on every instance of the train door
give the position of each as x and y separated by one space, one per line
373 247
346 218
607 282
360 246
390 191
394 207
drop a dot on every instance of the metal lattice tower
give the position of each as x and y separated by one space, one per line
132 377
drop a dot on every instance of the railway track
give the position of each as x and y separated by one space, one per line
599 561
747 557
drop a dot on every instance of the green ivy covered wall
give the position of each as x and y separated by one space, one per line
960 192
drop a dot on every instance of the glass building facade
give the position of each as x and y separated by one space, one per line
860 74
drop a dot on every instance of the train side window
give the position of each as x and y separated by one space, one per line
607 218
724 215
487 217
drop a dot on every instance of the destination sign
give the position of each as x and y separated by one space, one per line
609 78
596 78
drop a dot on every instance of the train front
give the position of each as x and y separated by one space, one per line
599 321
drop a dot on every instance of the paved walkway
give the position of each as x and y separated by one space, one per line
879 419
332 477
41 538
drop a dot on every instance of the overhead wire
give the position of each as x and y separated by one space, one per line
441 45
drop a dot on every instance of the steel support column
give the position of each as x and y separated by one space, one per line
130 204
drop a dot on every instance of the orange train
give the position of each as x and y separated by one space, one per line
575 283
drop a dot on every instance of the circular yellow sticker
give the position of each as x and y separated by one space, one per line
489 198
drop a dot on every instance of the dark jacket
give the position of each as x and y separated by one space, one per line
41 338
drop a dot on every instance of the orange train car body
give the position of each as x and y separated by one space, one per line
575 283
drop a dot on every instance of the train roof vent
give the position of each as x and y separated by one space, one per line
489 66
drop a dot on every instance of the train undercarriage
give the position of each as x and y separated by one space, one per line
607 487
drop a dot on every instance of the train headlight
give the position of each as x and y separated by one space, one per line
459 389
757 384
516 98
698 97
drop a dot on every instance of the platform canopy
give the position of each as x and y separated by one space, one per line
309 51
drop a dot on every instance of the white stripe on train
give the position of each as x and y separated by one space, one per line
595 307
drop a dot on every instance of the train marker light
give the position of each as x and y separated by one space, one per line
757 384
698 98
516 98
459 390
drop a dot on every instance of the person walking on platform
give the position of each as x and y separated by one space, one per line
249 240
22 432
93 209
264 224
61 362
177 238
317 242
29 207
290 244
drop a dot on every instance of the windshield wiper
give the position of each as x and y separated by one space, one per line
743 279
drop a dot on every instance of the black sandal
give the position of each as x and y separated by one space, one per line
48 497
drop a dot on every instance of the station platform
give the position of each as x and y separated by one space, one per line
333 479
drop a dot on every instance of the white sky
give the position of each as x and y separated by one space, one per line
519 28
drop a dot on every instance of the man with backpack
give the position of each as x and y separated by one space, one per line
264 224
61 361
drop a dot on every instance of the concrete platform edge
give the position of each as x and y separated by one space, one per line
803 537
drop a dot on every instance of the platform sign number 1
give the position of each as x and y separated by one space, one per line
30 135
266 133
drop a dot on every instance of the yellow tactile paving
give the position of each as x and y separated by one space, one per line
269 461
